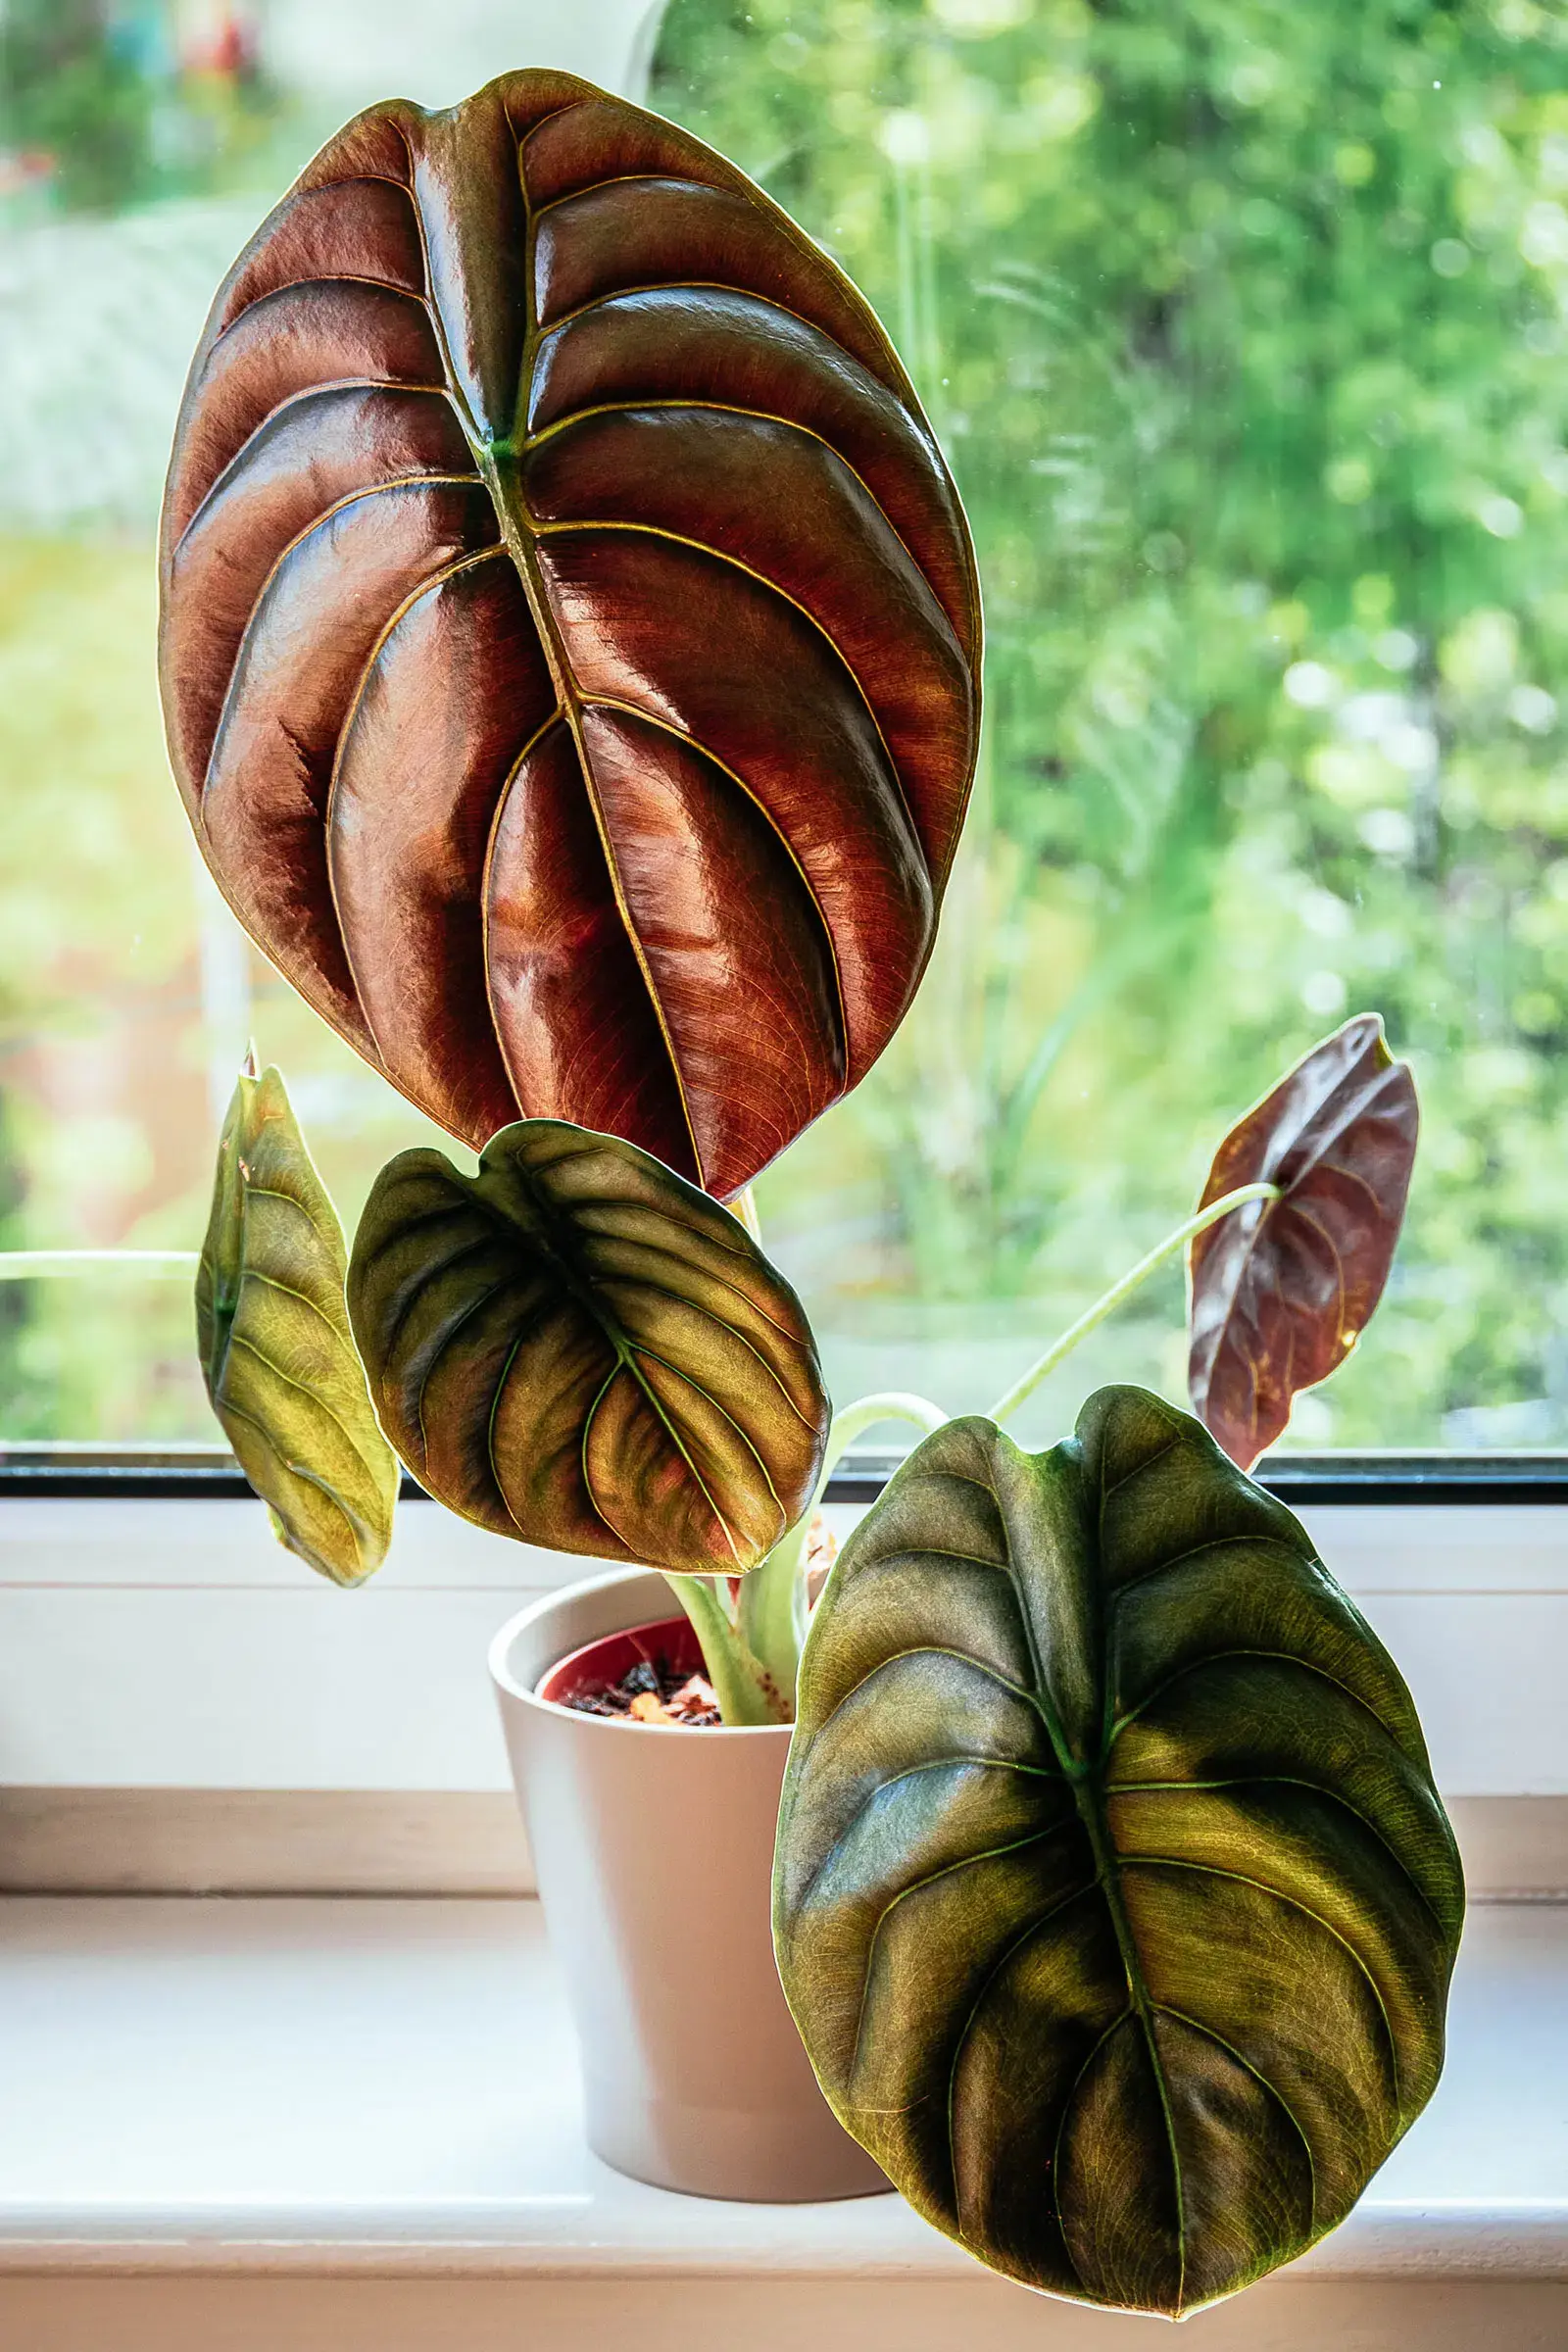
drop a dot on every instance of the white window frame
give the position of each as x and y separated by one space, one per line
183 1702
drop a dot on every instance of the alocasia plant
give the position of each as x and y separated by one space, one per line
570 652
1113 1898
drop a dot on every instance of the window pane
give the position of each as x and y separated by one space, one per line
1243 330
140 143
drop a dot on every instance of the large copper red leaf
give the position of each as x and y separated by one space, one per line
1281 1290
570 638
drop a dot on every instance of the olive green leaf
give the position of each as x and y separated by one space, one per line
1113 1899
276 1351
578 1348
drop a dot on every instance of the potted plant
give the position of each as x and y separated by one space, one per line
571 654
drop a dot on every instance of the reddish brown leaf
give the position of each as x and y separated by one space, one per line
1281 1290
570 637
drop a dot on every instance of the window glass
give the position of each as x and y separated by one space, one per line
140 143
1242 325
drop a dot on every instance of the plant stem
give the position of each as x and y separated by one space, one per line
885 1404
744 1691
743 1206
23 1265
772 1604
1124 1288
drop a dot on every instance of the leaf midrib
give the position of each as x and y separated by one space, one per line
1086 1778
498 463
1097 1820
550 1222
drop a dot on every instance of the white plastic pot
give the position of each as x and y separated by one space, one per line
653 1847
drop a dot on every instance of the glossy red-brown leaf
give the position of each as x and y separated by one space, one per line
570 639
1281 1290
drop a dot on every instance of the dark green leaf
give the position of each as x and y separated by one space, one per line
577 1347
1113 1898
276 1351
1282 1290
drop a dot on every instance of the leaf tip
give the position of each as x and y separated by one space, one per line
1382 1052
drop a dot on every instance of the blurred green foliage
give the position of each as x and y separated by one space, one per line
109 103
112 1075
69 91
1242 325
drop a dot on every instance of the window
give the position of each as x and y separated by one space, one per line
1243 327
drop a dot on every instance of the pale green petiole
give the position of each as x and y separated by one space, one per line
745 1692
773 1598
24 1265
1124 1288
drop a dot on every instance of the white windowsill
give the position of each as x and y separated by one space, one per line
372 2089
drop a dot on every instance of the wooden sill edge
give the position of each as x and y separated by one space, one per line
470 1843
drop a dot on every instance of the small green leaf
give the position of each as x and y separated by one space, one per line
1113 1899
578 1348
277 1354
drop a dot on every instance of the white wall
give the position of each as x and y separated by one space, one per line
176 1644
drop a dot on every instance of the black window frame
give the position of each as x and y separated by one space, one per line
210 1474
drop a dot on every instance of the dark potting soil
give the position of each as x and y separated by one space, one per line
653 1692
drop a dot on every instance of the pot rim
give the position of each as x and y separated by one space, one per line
619 1726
